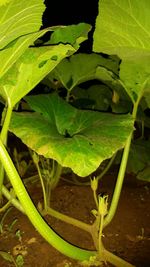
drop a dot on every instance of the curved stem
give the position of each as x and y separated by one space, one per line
107 167
119 183
121 174
34 216
42 184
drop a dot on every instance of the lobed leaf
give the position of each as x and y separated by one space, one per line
77 139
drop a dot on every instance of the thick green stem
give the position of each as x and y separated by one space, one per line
4 133
34 216
121 175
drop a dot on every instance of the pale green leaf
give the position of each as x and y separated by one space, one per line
4 2
19 17
77 139
123 28
13 51
30 69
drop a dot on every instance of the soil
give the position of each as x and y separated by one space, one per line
128 235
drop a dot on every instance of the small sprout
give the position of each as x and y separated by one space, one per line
94 184
6 256
18 235
20 261
11 225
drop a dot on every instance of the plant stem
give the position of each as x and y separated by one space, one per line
107 167
13 200
4 132
114 260
42 184
121 174
41 226
84 226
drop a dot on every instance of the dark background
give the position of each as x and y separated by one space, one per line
68 12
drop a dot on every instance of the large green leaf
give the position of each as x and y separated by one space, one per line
19 17
77 139
82 67
123 28
30 69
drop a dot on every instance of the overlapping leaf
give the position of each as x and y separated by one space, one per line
30 69
123 29
19 17
82 67
77 139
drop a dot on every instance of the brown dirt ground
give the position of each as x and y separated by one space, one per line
128 235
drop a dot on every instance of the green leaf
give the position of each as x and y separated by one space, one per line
77 139
135 75
20 260
14 50
30 69
76 33
18 18
144 175
6 256
4 2
100 96
82 67
139 156
123 28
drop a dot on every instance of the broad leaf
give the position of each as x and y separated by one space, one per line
123 28
82 67
19 17
77 139
30 69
